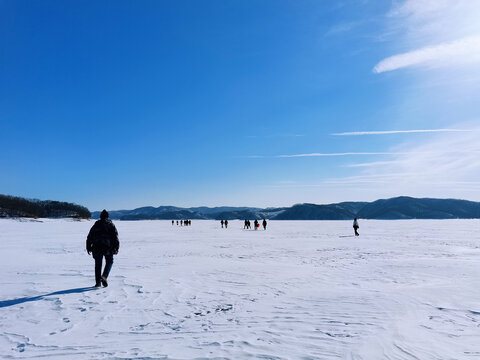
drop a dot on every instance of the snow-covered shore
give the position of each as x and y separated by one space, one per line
300 290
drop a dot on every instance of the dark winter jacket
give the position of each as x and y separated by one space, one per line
103 238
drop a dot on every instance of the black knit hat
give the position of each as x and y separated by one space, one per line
104 214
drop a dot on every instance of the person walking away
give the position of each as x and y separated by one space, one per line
356 226
226 224
264 223
102 241
173 222
221 222
255 224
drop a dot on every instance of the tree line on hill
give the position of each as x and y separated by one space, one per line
12 206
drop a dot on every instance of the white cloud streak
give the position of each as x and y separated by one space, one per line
435 21
357 133
342 28
336 154
461 51
442 165
388 153
273 136
319 155
373 163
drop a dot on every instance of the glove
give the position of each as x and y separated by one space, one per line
89 252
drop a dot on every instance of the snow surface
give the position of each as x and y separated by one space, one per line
300 290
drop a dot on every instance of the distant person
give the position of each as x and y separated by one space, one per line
226 224
221 222
181 222
177 222
249 224
264 223
255 224
173 222
102 241
245 224
356 226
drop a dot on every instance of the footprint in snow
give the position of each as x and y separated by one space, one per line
201 313
224 307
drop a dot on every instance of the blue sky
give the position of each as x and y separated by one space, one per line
120 104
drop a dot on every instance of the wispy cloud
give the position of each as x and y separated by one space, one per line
337 154
370 179
273 136
373 163
342 28
465 50
451 151
356 133
439 33
434 21
318 155
434 165
388 179
439 166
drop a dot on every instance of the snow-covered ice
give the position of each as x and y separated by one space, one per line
300 290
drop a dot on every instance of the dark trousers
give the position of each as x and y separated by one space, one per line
98 266
356 230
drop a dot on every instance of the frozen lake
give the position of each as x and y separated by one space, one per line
300 290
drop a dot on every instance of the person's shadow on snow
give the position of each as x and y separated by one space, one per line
6 303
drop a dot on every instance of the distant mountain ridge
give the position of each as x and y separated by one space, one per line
402 207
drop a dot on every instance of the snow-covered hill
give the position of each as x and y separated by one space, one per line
402 207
